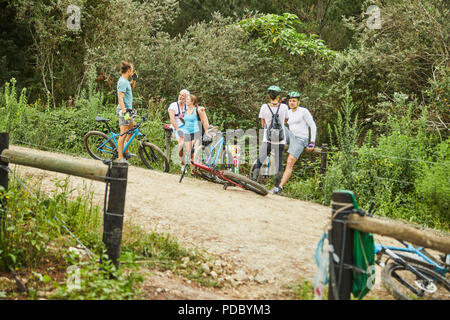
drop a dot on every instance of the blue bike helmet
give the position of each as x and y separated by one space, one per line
274 91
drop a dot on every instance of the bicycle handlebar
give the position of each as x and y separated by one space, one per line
144 119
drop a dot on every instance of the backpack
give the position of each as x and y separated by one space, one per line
180 113
275 131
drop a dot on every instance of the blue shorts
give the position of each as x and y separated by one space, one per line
296 144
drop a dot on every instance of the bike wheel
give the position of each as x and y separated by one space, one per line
396 279
153 157
98 146
205 174
245 182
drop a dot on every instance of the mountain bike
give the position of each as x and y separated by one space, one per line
413 273
208 167
102 147
410 272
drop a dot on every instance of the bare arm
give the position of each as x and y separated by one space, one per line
121 103
203 118
172 119
133 82
263 122
312 125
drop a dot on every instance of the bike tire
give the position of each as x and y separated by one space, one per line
153 158
208 176
400 292
246 182
97 138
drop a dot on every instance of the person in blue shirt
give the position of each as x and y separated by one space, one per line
194 118
125 107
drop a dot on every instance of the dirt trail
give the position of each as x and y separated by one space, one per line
272 237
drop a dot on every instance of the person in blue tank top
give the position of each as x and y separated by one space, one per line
194 118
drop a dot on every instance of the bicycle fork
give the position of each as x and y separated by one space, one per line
422 282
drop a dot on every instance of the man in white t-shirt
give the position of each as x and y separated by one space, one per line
300 123
274 136
176 113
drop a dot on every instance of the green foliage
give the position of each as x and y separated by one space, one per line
347 135
12 108
101 280
405 55
272 31
304 290
29 225
433 184
233 79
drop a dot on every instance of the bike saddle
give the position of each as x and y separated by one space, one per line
100 119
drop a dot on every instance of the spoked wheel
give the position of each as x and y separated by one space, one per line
153 157
245 182
403 284
98 146
207 175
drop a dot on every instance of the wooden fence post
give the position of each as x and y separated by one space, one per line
324 156
341 238
4 144
168 135
113 219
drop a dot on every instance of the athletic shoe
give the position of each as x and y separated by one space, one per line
122 161
276 190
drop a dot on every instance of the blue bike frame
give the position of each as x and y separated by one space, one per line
136 133
212 159
411 249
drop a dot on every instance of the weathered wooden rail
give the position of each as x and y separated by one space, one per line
344 221
115 175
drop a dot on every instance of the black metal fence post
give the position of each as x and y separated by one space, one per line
341 238
113 218
4 144
168 136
